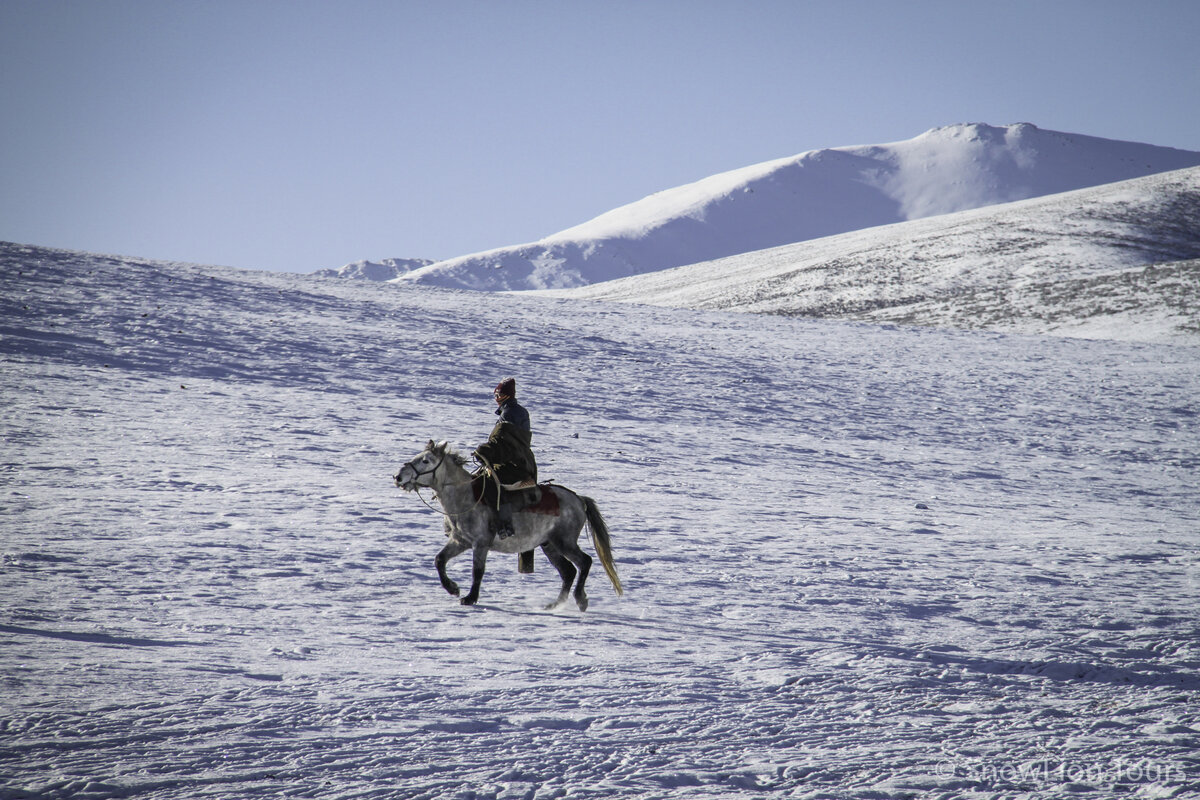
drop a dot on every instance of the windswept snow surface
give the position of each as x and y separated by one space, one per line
1115 261
808 196
860 561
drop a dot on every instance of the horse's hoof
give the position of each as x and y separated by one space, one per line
468 600
453 589
582 602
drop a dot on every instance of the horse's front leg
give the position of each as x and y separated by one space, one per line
452 549
480 564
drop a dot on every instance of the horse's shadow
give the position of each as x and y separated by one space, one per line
96 637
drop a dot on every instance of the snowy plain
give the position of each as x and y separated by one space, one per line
860 561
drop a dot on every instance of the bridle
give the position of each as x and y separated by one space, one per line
433 471
419 473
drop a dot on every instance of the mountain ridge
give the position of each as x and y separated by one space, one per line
1116 261
811 195
384 270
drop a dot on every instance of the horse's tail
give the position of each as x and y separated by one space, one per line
602 541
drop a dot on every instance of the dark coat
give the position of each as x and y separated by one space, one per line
508 447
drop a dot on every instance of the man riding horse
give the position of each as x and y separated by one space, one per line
508 463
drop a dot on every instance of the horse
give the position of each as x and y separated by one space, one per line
554 523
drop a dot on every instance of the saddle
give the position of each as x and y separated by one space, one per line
528 497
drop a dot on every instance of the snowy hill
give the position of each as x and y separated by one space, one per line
385 270
860 561
1116 261
808 196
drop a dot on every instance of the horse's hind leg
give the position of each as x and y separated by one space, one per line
480 564
583 561
452 549
565 569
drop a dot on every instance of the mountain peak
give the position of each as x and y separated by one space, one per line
981 130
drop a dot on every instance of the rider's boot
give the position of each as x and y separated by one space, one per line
502 526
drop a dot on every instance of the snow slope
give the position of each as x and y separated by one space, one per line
1115 261
808 196
860 561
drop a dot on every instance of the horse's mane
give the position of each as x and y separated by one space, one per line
446 449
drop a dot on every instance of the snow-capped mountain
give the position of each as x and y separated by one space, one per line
860 561
1113 261
811 195
385 270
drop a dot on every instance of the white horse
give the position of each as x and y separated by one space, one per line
553 523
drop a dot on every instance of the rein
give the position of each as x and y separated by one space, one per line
429 505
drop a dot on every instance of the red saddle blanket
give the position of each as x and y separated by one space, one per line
540 499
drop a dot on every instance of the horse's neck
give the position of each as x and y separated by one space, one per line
454 489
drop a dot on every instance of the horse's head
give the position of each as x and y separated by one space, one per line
422 470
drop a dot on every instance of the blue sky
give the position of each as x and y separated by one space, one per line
299 135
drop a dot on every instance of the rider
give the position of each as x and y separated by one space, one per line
506 453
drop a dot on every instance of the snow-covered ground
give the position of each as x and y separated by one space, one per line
811 195
860 561
1115 261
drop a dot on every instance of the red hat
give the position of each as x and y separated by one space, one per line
506 388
